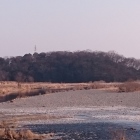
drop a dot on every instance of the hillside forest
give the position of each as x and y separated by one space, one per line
69 67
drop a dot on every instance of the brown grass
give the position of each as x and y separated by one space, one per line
119 135
8 133
12 90
129 87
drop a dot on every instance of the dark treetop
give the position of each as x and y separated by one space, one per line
63 66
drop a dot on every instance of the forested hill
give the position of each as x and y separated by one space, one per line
82 66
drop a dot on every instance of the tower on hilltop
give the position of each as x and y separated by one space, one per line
35 49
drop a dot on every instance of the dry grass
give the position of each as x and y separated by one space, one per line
129 87
119 135
13 87
12 90
7 132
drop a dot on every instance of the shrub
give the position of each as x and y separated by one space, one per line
129 87
8 133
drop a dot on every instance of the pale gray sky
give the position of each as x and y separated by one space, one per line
71 25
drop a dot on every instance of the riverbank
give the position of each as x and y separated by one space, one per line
76 108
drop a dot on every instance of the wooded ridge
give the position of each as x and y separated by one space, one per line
69 67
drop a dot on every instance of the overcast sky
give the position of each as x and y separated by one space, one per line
56 25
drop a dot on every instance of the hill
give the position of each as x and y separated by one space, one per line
69 67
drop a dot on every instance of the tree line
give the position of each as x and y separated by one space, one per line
72 67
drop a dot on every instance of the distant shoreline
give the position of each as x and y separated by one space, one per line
12 90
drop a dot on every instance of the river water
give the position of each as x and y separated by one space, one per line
84 123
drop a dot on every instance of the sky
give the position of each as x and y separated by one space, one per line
69 25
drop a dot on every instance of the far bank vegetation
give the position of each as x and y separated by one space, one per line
69 67
12 90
